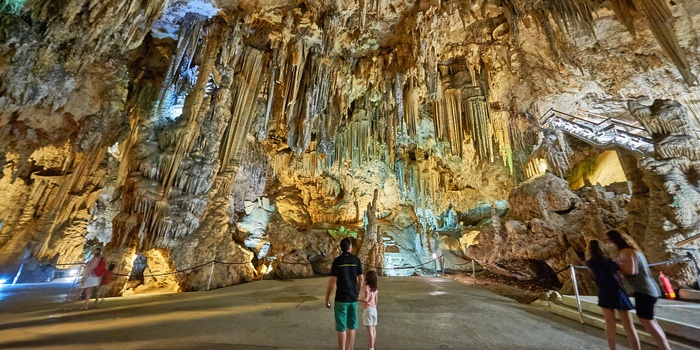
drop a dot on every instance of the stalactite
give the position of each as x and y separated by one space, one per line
623 11
289 100
312 101
481 129
692 104
448 119
572 14
543 20
660 19
501 133
400 105
166 193
412 110
513 15
194 99
245 93
71 194
431 46
176 82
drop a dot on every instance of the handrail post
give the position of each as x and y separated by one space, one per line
473 273
578 298
211 273
18 273
442 264
75 281
694 262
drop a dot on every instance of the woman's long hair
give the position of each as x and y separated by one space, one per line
371 280
618 239
595 253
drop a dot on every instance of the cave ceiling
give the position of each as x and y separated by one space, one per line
145 124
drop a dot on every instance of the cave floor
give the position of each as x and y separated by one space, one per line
414 313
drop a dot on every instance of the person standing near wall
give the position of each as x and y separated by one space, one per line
633 265
101 290
347 276
611 296
90 279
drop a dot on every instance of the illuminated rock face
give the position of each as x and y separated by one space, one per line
547 227
155 128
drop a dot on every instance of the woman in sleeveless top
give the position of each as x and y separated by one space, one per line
634 267
611 296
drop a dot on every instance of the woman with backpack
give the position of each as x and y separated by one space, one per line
633 265
94 270
611 295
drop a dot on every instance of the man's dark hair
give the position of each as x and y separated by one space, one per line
345 244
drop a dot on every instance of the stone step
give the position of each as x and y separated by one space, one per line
681 335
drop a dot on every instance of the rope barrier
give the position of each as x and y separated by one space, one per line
460 264
170 273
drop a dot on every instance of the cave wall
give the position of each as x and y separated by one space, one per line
156 129
548 224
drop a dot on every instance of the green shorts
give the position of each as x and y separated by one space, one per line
345 316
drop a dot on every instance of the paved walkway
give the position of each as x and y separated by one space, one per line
678 311
414 313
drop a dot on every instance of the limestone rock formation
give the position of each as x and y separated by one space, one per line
673 209
371 249
545 230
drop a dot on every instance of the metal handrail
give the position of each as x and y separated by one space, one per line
551 114
612 120
615 129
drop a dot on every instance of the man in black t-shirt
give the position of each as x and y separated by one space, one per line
346 274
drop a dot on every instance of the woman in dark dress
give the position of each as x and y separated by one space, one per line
611 295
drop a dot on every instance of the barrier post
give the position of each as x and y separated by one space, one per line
18 273
473 273
694 262
442 264
435 263
78 275
578 298
211 273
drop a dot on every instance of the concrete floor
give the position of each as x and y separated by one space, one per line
414 313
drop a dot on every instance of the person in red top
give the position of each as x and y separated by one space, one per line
104 285
89 280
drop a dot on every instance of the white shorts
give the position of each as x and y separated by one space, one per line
369 316
91 281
